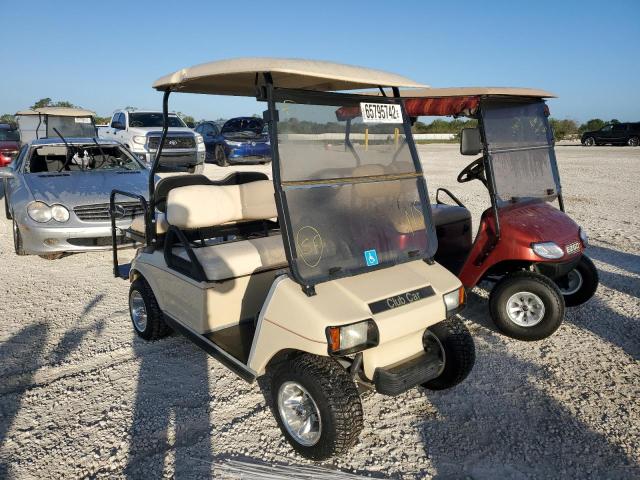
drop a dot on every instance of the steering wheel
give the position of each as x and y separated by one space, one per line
473 171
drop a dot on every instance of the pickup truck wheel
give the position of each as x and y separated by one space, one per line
633 142
580 284
17 240
317 406
459 353
7 212
220 156
526 306
146 316
589 142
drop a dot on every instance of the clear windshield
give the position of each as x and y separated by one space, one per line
520 143
153 119
82 158
353 197
9 135
70 127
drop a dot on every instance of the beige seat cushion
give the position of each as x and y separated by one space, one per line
237 259
161 224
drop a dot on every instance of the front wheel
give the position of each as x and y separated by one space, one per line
458 350
317 406
17 240
220 156
633 142
526 306
580 284
589 142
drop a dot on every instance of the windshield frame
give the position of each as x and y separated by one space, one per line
26 161
277 95
488 151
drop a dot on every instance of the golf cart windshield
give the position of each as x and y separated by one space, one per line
353 197
520 144
70 126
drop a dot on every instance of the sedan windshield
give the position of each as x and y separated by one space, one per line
9 135
151 119
80 158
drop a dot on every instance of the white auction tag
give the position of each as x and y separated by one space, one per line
82 120
381 112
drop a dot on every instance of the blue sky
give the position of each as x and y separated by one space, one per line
106 58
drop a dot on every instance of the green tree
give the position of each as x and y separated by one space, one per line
47 102
614 120
8 118
591 125
563 129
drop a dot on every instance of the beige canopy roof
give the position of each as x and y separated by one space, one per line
59 111
238 76
477 91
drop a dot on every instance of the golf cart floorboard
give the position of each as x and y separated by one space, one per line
236 340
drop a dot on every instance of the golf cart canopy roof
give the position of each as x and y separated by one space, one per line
239 76
59 111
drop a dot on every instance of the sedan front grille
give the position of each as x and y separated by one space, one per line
100 212
172 142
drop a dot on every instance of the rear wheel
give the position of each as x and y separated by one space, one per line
17 240
459 353
580 284
589 142
317 406
526 306
146 316
220 156
633 142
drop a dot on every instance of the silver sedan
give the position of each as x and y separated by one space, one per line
57 194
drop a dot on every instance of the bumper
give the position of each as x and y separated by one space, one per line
40 240
249 158
557 269
396 379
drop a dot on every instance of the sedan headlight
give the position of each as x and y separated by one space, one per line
352 338
584 238
454 301
233 144
548 250
59 213
39 212
140 139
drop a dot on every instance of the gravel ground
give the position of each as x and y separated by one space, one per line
82 396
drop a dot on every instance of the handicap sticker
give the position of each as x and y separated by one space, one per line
371 257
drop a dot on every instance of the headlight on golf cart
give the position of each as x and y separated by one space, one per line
39 212
454 301
584 238
352 338
548 250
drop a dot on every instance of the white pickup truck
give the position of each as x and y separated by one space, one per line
140 132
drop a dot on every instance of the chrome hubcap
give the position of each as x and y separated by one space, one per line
299 413
572 283
138 311
525 309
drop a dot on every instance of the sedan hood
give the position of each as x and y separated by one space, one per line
84 188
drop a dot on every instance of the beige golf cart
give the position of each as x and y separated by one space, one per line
51 122
324 277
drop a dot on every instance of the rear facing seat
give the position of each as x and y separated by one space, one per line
202 206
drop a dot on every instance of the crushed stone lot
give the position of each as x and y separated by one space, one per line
82 396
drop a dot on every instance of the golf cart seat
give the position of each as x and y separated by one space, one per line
447 214
224 206
166 184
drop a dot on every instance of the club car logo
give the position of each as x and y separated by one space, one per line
401 300
573 248
309 246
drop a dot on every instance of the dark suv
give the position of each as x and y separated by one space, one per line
615 134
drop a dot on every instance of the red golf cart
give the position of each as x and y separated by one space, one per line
530 249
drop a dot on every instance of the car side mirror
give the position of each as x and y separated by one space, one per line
470 141
117 125
6 172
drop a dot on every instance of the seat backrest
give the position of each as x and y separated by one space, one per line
200 206
166 184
